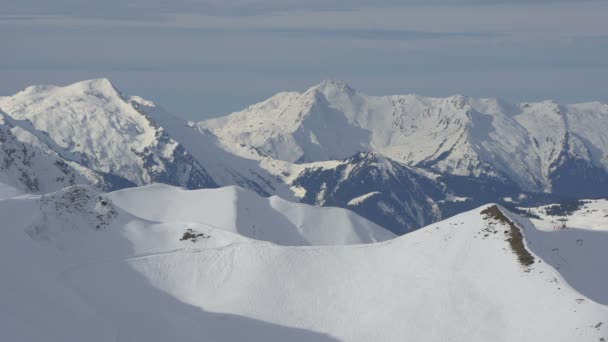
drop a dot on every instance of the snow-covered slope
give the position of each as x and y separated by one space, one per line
241 211
125 141
98 273
584 214
572 239
539 146
27 165
8 191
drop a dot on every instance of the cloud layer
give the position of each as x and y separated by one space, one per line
202 58
145 9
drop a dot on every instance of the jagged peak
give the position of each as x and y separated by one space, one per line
372 158
331 87
102 82
458 101
96 86
331 82
546 106
370 155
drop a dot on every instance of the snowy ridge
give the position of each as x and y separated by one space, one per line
456 135
243 212
139 280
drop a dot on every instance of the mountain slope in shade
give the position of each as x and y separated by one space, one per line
113 276
398 197
539 146
384 191
8 191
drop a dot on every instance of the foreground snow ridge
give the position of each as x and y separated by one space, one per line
165 275
246 213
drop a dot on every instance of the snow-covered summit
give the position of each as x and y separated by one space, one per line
118 141
333 90
97 85
91 123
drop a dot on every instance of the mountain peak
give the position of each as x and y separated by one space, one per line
332 86
373 159
96 86
96 82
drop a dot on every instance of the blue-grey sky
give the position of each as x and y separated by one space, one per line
202 58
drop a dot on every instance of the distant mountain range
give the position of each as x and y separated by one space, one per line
401 161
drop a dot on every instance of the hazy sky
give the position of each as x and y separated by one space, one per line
201 58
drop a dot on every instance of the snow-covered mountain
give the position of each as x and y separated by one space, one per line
399 197
115 141
541 146
81 266
394 195
244 212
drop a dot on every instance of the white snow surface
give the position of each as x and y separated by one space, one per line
89 118
27 164
94 127
243 212
77 267
457 134
593 215
362 198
